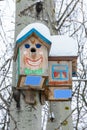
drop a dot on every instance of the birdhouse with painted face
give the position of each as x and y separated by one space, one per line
31 53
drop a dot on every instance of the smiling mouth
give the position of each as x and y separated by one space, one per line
33 62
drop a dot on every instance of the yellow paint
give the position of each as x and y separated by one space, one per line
66 108
64 123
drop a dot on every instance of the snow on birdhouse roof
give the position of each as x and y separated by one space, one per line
38 28
63 46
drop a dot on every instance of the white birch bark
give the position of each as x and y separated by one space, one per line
58 108
28 117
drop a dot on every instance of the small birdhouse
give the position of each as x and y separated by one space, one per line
31 54
62 66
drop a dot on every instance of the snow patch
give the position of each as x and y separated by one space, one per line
63 46
43 29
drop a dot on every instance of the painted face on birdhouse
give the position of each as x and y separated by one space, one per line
33 57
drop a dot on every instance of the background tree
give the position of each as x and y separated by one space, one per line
70 20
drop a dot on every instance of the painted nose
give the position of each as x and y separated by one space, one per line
33 53
33 50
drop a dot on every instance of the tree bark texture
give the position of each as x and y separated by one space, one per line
28 117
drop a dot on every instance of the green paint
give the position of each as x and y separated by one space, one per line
29 71
18 61
26 71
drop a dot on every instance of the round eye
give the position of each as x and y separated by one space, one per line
27 46
38 45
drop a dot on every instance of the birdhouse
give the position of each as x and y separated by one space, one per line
45 62
62 66
31 55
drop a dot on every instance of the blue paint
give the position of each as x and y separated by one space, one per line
33 80
29 33
62 93
38 45
27 45
55 69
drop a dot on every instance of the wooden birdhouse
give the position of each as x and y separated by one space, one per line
62 66
31 55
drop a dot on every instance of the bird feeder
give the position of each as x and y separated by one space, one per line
31 55
62 66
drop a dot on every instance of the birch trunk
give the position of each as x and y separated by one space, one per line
61 110
29 116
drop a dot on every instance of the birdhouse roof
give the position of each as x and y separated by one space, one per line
37 28
63 46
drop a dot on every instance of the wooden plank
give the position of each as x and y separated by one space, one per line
62 58
21 83
30 88
60 86
66 58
